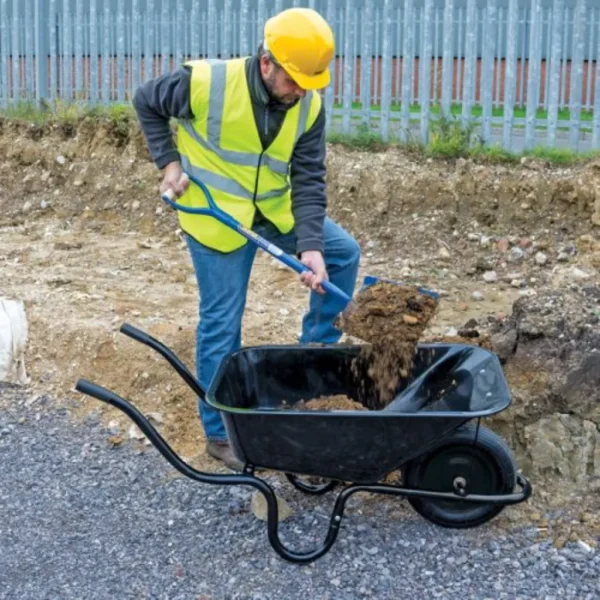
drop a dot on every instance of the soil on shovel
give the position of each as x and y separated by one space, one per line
336 402
390 319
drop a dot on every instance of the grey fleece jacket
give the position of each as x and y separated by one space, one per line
157 100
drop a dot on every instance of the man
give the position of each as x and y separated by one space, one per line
253 130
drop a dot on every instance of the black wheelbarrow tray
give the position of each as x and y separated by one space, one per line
454 473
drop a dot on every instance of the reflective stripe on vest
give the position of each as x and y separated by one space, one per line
224 184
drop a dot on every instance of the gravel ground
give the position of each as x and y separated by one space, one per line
82 519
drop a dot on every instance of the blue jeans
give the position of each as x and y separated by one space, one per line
223 283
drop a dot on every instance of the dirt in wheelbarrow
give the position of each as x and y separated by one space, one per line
391 320
334 402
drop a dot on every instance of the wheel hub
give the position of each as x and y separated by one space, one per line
460 485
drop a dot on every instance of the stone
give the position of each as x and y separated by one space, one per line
578 274
490 276
541 258
135 205
61 160
565 445
156 417
549 348
135 433
504 343
443 252
516 254
477 296
258 506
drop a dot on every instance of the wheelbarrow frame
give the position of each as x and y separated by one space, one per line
249 478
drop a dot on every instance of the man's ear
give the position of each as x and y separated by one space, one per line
265 66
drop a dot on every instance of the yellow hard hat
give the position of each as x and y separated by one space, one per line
301 41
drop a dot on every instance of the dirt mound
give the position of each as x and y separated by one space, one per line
338 402
551 349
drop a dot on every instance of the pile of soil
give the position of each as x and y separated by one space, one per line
391 320
336 402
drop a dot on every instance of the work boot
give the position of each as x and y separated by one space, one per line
223 451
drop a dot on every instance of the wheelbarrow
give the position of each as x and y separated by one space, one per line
453 471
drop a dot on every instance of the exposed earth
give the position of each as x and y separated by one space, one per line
87 244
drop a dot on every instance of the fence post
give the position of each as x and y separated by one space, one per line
330 89
347 90
165 40
408 68
121 53
448 58
577 73
212 29
41 50
5 91
386 73
554 90
366 63
488 70
469 82
78 48
106 56
244 13
15 52
596 122
510 79
533 81
425 85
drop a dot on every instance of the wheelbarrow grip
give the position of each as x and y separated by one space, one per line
136 334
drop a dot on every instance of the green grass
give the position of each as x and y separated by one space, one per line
519 112
71 113
448 139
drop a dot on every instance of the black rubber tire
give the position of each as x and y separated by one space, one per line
310 488
492 471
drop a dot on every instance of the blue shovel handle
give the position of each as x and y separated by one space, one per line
214 211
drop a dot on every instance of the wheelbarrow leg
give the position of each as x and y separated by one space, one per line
100 393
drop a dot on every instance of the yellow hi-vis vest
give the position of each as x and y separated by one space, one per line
221 147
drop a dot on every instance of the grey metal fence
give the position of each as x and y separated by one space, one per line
524 72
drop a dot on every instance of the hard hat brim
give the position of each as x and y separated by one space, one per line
309 82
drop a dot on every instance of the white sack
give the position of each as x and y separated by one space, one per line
13 339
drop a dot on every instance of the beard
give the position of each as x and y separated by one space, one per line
286 99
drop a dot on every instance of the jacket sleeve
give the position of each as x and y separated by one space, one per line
307 174
156 102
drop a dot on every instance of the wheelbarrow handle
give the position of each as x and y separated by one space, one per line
214 211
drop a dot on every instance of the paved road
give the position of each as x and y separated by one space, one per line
81 519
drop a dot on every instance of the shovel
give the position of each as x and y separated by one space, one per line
290 261
214 211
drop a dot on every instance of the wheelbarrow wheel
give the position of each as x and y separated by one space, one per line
316 486
482 467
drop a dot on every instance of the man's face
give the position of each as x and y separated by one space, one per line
280 85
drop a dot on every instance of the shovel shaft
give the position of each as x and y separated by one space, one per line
214 211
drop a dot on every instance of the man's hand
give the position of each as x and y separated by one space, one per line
174 179
314 260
